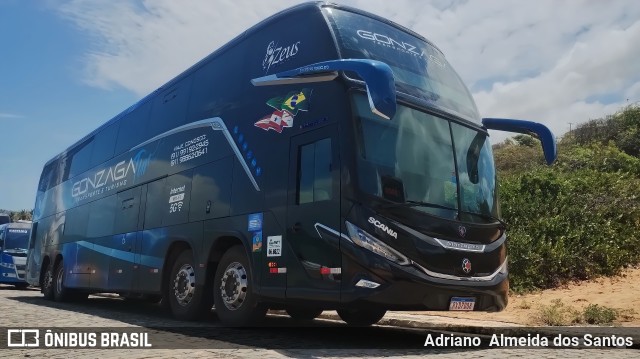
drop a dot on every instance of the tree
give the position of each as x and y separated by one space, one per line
25 215
526 140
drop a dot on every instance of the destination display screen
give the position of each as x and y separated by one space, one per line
419 69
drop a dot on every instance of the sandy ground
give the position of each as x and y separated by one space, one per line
620 292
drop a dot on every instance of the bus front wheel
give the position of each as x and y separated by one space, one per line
235 302
361 317
187 300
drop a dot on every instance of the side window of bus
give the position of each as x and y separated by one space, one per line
46 177
133 128
314 172
78 159
104 144
169 108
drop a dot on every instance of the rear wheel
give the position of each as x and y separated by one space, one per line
361 317
60 293
46 284
187 300
299 313
53 285
235 302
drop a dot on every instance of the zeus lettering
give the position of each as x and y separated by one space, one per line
389 231
103 177
277 54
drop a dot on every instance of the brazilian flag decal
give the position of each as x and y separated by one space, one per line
293 102
285 109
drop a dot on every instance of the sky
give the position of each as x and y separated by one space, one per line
67 66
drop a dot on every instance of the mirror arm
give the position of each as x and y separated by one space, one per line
534 129
377 76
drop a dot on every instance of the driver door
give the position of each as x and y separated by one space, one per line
314 262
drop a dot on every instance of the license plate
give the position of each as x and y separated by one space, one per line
462 304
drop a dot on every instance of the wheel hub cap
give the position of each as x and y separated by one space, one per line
184 284
233 286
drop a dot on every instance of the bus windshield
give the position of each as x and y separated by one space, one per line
16 238
434 160
418 68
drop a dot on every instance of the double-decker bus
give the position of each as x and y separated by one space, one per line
14 239
324 159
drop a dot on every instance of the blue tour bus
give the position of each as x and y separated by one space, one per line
324 159
14 240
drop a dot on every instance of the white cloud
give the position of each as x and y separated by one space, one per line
596 66
140 47
546 61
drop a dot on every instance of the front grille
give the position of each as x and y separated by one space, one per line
20 270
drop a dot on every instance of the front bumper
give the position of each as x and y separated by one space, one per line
409 287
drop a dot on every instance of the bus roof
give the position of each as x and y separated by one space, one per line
308 6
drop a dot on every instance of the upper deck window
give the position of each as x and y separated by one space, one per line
419 68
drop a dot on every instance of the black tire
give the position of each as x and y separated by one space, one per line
241 307
60 293
187 300
361 317
304 314
46 287
21 285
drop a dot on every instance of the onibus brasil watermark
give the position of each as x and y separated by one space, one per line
47 338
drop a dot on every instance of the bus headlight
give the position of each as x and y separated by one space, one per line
367 241
8 265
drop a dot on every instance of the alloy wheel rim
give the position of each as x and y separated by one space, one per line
233 286
184 284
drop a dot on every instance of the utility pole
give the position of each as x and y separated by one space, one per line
570 128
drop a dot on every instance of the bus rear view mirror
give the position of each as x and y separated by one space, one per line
377 77
534 129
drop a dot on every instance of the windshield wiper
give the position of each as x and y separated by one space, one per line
487 217
434 205
417 204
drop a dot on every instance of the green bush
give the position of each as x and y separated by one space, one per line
622 128
595 314
558 314
570 223
597 156
514 158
